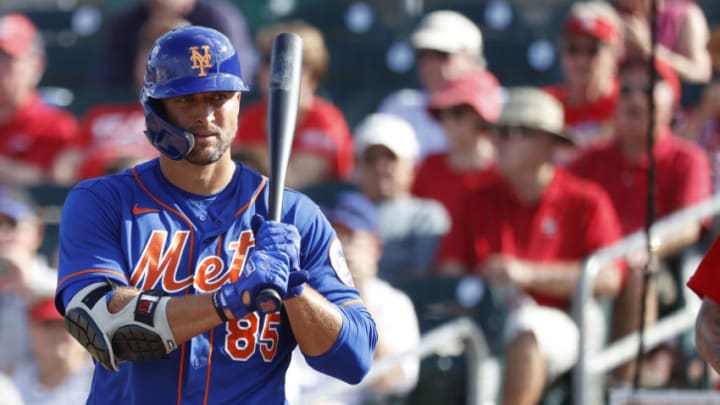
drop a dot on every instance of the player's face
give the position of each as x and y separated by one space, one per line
211 117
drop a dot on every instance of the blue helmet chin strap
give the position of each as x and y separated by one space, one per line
173 141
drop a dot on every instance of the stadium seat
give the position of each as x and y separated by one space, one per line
437 300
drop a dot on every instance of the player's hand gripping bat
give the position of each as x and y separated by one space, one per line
285 70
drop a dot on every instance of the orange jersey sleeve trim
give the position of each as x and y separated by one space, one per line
352 302
88 271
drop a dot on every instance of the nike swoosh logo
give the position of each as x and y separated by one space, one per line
136 210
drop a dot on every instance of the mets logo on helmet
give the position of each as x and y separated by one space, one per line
200 61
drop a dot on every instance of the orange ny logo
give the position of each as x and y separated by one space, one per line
200 61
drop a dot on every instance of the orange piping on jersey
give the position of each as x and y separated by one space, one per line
180 374
69 276
190 261
253 198
209 367
176 212
219 247
352 302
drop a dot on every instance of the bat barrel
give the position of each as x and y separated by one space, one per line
285 71
283 98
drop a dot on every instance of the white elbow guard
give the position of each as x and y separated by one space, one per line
140 331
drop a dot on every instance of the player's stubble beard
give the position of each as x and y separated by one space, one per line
210 154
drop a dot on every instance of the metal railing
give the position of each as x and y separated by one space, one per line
591 364
461 331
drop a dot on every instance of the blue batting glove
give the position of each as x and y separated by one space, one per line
296 283
273 236
262 270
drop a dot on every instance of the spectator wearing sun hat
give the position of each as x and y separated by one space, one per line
447 45
386 153
60 371
590 48
467 108
528 231
32 132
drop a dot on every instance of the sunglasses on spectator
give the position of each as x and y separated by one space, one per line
627 88
508 132
575 49
431 54
458 111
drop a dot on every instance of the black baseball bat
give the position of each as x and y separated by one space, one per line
283 98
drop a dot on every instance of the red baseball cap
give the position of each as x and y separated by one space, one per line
594 26
17 34
479 89
44 310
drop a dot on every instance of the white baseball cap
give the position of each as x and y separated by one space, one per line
389 131
448 31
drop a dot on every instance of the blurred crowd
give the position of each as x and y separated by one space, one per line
462 176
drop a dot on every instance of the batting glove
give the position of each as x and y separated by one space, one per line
273 236
276 236
262 270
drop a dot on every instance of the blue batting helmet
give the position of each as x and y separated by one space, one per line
184 61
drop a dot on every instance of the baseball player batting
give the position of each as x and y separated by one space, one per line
155 260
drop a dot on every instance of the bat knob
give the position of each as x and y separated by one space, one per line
267 301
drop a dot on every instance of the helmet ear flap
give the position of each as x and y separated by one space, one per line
169 139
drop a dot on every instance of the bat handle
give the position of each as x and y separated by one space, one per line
268 300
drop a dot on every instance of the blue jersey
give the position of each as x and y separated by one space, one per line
136 229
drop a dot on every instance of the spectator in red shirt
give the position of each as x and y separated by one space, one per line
620 167
590 48
705 284
529 231
31 131
466 108
322 148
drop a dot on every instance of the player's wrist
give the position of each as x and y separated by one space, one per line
229 299
219 310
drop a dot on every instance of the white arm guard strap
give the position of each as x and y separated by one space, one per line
140 331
